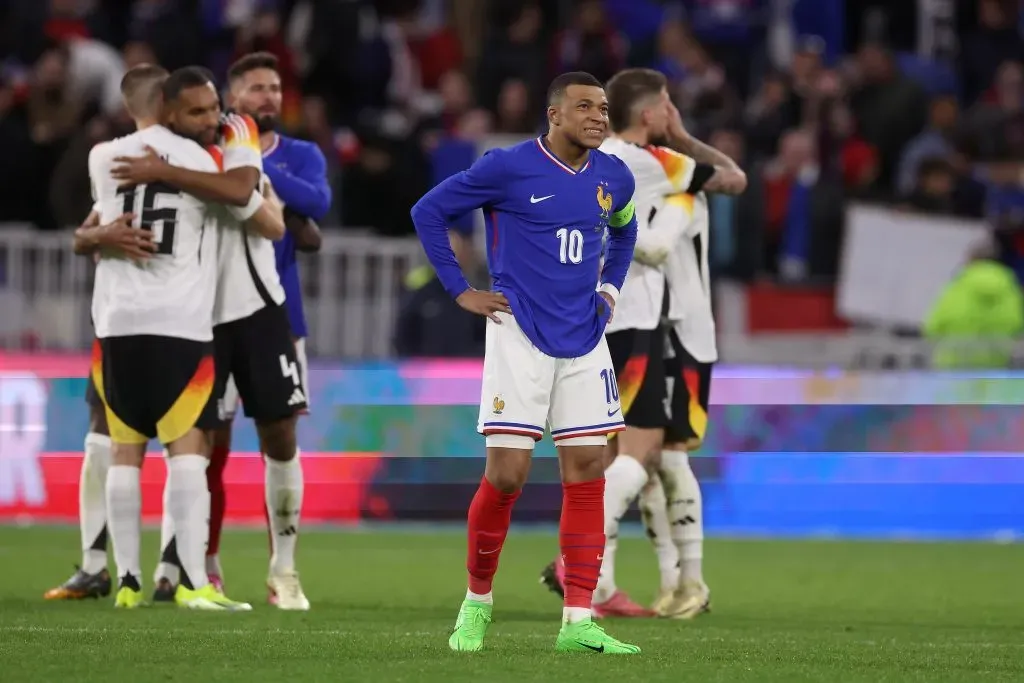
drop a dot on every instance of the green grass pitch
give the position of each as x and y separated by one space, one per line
384 603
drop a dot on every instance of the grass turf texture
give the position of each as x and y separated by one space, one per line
384 603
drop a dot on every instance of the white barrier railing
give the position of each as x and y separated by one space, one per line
352 291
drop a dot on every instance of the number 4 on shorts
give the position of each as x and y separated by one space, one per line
289 369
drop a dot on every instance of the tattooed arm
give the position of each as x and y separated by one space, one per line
727 178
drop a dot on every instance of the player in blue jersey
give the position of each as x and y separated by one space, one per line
549 205
298 171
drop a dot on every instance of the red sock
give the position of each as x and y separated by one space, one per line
581 535
490 514
218 501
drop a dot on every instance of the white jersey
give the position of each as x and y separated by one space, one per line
689 283
172 293
247 278
659 173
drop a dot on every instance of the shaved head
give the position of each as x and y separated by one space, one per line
141 90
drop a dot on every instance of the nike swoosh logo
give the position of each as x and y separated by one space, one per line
535 200
591 647
611 413
487 552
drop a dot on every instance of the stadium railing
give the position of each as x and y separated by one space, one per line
352 291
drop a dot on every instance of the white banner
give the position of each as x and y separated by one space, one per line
895 264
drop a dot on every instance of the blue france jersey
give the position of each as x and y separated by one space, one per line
298 171
546 225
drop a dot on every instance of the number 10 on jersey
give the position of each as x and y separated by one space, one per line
570 245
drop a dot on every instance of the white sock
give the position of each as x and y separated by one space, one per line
166 570
283 487
571 615
654 513
624 479
486 598
92 502
124 518
189 503
685 511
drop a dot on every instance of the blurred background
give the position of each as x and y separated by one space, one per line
883 230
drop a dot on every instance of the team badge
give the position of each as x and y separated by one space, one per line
604 200
498 404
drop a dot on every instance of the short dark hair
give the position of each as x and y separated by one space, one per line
251 62
185 78
141 87
626 89
556 91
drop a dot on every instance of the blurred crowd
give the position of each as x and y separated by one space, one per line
920 105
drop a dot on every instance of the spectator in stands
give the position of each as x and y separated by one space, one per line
430 324
934 141
733 31
795 166
890 109
978 316
516 50
996 41
590 43
172 29
997 124
516 114
33 134
768 115
933 187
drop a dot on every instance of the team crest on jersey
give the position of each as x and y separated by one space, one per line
604 200
498 404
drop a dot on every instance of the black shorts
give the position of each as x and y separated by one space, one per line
154 387
689 387
259 354
638 358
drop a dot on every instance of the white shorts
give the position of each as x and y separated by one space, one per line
525 389
228 405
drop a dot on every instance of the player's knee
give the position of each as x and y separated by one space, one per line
278 438
582 458
508 466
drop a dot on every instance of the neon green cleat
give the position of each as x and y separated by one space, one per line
129 598
586 636
471 627
208 598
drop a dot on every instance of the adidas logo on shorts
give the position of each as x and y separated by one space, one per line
297 398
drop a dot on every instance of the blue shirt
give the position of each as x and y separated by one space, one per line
298 172
545 227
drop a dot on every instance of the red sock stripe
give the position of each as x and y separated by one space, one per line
582 539
490 515
218 498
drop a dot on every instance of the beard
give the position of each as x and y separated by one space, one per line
265 122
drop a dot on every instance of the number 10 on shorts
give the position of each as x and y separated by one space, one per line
611 387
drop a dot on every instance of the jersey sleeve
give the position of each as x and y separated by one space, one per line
99 170
482 184
678 171
622 233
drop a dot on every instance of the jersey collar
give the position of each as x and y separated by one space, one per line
550 155
273 146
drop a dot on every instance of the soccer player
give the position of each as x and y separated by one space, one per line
548 204
252 340
668 189
140 89
298 171
153 362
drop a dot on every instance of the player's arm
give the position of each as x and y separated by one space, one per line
308 237
268 220
668 226
306 192
233 187
715 171
622 230
118 235
84 241
480 185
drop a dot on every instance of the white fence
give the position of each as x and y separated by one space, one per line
352 291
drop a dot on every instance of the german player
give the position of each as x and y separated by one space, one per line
673 502
140 90
252 340
298 172
548 204
153 363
